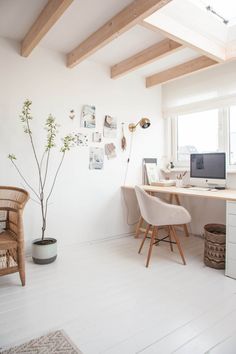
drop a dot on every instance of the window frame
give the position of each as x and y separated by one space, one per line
232 166
223 137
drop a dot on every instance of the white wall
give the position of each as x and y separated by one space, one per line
87 205
210 87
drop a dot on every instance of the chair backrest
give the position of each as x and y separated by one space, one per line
12 202
12 198
156 212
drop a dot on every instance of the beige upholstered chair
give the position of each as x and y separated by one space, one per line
12 202
157 213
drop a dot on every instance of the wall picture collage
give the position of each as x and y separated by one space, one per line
109 132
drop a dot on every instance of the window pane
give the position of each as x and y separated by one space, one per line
197 133
232 139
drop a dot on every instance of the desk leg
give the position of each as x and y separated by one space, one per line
178 203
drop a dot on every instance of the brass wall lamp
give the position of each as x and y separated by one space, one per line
143 122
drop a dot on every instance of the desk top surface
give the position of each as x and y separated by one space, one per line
226 194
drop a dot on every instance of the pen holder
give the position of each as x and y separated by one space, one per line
179 183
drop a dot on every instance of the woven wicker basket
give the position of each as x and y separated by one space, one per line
214 253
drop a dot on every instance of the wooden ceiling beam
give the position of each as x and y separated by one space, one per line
120 23
47 18
181 70
146 56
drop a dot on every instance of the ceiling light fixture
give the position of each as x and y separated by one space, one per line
209 8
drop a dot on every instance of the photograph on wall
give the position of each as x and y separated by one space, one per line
110 127
97 137
96 158
110 151
81 139
88 119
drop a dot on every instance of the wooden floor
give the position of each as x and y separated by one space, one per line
102 295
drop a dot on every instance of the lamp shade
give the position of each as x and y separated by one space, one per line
143 122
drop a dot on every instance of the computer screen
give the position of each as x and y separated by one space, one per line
208 165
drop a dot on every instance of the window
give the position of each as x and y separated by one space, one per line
211 130
232 135
197 133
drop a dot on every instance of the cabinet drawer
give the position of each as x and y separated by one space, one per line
231 251
230 270
231 220
231 234
231 208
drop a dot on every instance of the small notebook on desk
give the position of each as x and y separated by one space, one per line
150 171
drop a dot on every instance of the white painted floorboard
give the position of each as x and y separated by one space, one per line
102 295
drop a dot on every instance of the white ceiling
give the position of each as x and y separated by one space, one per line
17 16
84 17
81 19
196 18
126 45
226 9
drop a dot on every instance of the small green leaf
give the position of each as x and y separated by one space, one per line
12 157
68 142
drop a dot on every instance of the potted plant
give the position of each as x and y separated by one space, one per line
44 249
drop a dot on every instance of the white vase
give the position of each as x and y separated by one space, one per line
44 252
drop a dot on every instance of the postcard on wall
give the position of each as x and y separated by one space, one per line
110 151
97 137
96 158
110 127
81 139
88 118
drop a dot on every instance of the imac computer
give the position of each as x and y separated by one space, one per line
208 170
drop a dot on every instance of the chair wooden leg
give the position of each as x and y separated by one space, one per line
178 244
169 233
144 238
7 258
138 227
21 264
154 234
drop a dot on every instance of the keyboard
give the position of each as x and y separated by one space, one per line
199 188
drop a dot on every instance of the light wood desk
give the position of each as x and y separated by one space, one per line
226 194
229 196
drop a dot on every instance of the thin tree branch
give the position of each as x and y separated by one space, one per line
53 184
46 168
40 178
18 170
41 162
34 200
34 151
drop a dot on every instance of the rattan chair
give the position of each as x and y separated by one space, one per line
12 202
